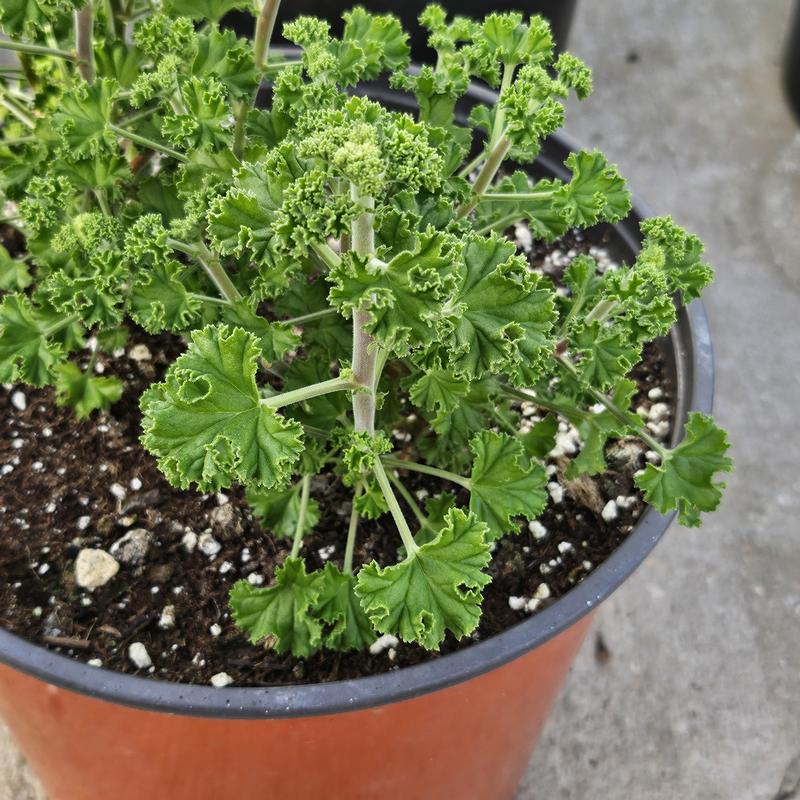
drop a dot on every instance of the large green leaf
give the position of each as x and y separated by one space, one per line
206 423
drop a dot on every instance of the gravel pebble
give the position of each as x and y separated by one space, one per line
610 511
139 656
94 568
221 680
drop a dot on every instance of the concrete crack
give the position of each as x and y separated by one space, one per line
790 785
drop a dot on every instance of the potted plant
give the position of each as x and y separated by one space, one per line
366 414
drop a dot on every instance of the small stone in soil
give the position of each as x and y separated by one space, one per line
94 568
610 512
132 547
208 545
167 618
221 680
19 401
95 662
139 656
537 529
383 643
254 579
189 541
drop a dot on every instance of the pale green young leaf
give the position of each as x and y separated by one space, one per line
83 391
206 423
14 273
437 589
279 510
281 613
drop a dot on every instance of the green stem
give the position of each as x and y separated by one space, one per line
410 501
352 529
17 110
307 393
265 24
240 129
516 195
602 311
527 396
37 50
212 266
18 140
328 256
325 312
55 327
500 115
611 406
486 176
145 142
84 41
476 162
305 493
500 224
398 463
394 507
102 201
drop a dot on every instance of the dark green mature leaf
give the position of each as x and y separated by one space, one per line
541 438
213 10
206 423
27 353
501 315
438 588
346 627
14 273
275 340
83 118
685 478
606 355
504 484
281 613
403 297
438 389
83 391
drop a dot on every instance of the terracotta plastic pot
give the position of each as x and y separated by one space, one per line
463 725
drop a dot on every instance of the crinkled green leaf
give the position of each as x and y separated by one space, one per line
27 352
504 484
596 192
685 478
438 588
438 389
160 300
83 391
14 273
403 297
206 423
275 340
606 355
501 315
281 613
83 117
541 438
346 627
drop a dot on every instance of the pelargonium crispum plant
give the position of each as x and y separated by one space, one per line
339 273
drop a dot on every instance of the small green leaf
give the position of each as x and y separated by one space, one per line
438 389
84 392
279 511
281 613
503 485
685 478
159 299
206 423
541 438
437 589
14 274
347 627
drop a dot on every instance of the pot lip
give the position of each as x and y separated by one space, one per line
695 365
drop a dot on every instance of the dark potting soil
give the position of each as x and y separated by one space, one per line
68 484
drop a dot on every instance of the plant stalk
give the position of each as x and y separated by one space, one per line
410 501
307 393
352 529
486 176
398 463
37 50
365 349
84 41
394 507
145 142
305 493
314 315
265 25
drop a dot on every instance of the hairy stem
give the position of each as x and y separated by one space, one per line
314 315
394 507
84 44
611 406
528 396
307 393
37 50
212 266
602 311
486 176
365 349
17 110
265 24
240 128
410 501
398 463
352 528
327 255
145 142
55 327
305 493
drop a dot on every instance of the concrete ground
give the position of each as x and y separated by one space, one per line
700 698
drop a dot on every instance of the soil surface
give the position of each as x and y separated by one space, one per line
67 485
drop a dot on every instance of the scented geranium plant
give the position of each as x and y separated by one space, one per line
340 275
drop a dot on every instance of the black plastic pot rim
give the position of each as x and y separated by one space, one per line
695 370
